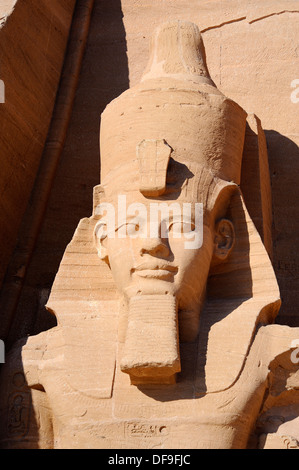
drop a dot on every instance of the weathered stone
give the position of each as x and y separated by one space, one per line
159 343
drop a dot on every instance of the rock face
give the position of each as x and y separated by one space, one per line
165 335
33 41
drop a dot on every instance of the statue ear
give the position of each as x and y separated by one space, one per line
100 240
224 239
100 229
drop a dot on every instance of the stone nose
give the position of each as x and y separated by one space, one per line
155 246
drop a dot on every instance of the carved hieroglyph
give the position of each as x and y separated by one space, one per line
162 342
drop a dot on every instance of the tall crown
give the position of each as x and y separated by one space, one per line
175 111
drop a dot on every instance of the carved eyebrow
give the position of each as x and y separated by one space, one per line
130 217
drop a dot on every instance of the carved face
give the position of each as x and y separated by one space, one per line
155 257
160 252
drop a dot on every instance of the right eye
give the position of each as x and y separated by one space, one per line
129 228
182 227
132 228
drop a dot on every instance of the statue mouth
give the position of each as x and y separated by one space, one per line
164 272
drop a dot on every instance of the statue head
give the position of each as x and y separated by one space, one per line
171 151
170 257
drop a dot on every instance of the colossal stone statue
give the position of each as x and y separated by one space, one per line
166 296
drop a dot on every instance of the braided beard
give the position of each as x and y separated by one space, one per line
151 351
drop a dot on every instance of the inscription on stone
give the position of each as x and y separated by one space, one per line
19 403
145 430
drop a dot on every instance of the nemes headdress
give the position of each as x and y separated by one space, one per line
175 117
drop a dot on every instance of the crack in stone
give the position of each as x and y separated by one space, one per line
273 14
223 24
242 18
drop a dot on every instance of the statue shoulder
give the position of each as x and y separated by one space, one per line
278 422
278 345
22 394
28 356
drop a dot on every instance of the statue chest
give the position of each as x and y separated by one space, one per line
146 417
